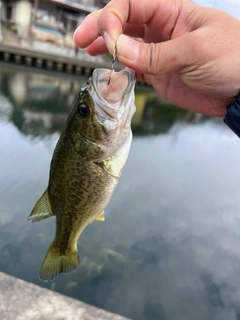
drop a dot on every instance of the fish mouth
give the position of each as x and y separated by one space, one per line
112 92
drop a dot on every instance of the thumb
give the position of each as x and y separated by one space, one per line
156 58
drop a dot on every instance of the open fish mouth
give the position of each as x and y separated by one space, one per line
112 91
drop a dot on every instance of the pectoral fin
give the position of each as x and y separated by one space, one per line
42 209
106 166
101 217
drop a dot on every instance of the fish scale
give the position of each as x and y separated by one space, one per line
86 165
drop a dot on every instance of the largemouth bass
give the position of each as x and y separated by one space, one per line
86 165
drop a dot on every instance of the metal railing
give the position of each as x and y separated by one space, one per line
28 37
87 5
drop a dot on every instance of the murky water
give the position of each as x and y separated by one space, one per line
169 248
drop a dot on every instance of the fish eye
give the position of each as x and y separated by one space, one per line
83 110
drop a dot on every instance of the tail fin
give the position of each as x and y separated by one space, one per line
56 263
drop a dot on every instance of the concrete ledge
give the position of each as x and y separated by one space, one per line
21 300
34 53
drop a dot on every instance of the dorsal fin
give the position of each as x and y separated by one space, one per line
42 209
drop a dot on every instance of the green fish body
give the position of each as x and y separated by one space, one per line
86 165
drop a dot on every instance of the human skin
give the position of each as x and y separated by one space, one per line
188 53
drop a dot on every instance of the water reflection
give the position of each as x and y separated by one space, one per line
168 249
42 102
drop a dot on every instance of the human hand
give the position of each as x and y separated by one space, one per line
188 53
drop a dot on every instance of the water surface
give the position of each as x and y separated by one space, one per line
169 248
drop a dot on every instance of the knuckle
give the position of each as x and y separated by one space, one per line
151 58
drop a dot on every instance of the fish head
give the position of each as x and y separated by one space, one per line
101 118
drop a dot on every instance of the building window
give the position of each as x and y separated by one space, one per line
9 13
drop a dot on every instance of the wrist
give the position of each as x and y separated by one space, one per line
232 118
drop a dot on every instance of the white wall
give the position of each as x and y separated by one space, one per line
23 9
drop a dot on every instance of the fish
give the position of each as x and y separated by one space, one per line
86 165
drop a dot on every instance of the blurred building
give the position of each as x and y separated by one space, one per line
49 20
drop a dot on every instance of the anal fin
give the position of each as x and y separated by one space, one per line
42 209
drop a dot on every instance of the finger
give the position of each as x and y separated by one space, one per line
168 56
116 14
88 31
134 30
97 47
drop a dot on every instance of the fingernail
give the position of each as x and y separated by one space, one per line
76 32
127 47
109 42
